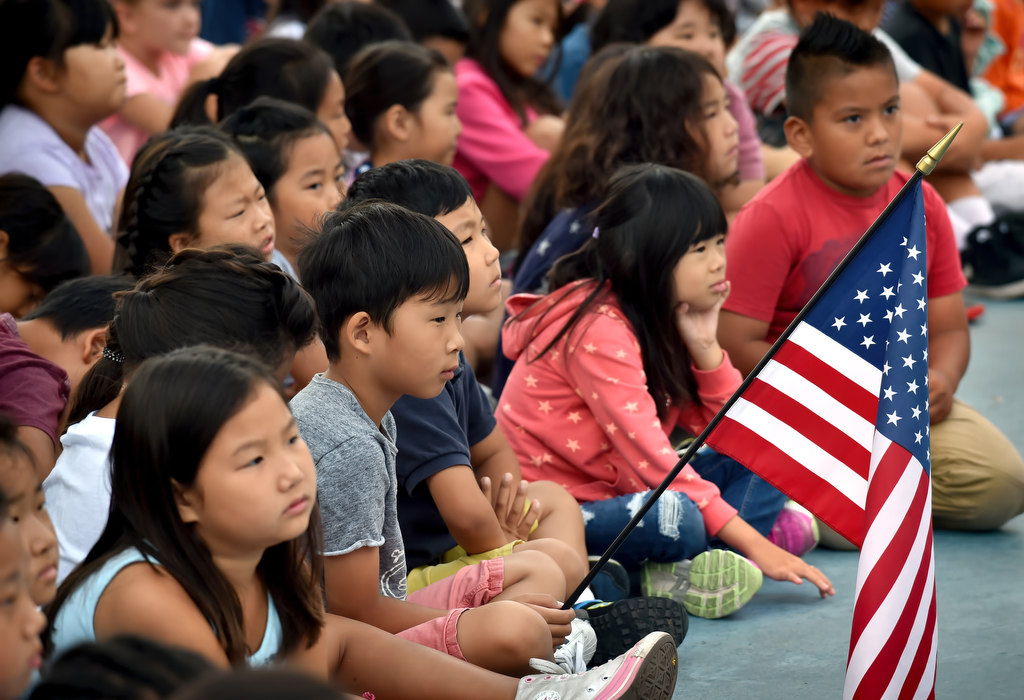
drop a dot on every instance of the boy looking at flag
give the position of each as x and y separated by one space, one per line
845 122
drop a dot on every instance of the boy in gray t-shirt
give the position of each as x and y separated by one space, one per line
389 286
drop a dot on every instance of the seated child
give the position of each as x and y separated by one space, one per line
300 167
27 507
930 34
216 297
62 76
389 286
436 24
287 69
190 187
401 102
701 26
22 621
44 356
343 29
214 547
844 98
611 362
39 248
162 53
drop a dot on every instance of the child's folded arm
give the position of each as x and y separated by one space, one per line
352 584
467 513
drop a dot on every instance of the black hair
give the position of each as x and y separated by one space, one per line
422 186
46 29
125 667
11 446
260 684
265 131
430 18
227 296
170 414
375 256
636 21
164 194
648 219
343 29
290 70
81 304
828 48
42 244
385 74
486 21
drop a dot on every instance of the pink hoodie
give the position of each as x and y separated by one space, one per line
580 415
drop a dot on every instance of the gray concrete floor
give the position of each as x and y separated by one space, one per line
788 643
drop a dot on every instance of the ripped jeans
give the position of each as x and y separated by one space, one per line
674 529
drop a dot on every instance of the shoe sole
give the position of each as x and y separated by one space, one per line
618 624
1012 290
648 673
721 582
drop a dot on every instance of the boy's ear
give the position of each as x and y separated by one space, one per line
179 241
397 123
43 74
185 499
358 333
799 137
91 343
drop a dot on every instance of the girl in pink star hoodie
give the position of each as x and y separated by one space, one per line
608 365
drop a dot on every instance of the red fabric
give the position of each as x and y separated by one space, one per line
763 72
792 234
492 145
580 415
33 390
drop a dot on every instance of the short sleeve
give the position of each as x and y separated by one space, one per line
352 488
759 258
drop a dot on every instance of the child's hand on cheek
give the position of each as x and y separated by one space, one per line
699 330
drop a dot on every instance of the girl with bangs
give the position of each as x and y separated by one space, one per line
615 359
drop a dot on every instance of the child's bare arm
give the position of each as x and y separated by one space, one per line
148 113
98 244
743 337
494 457
352 583
949 348
466 510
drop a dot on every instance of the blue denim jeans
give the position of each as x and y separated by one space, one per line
674 529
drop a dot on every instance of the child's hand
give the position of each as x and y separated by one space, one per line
510 508
559 621
699 330
780 565
940 396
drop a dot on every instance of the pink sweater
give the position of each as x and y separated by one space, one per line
492 146
580 415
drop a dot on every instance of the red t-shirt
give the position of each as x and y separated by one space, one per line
792 234
33 390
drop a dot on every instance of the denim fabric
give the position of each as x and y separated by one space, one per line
674 529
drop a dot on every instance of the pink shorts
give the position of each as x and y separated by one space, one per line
469 587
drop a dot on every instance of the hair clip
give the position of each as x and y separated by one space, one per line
596 231
113 355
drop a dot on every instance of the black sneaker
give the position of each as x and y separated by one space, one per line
618 624
994 260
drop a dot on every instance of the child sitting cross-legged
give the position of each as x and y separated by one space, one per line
449 442
846 122
389 286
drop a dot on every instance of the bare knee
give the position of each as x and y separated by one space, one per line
564 556
534 570
503 636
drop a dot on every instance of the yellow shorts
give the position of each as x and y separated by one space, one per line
456 558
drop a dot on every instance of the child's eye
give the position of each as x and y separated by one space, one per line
852 119
467 240
314 186
892 109
254 462
294 439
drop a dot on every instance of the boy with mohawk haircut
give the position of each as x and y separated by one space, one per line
845 122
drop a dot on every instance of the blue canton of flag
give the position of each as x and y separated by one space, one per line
878 309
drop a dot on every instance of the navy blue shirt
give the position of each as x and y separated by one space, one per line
566 234
433 435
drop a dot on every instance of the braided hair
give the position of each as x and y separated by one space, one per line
164 193
227 296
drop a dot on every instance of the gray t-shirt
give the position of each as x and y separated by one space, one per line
355 475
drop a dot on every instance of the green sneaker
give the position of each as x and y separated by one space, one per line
713 584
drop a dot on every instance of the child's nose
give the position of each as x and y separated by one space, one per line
456 342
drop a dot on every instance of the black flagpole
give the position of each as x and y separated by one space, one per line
924 167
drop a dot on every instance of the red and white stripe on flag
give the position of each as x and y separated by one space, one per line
806 425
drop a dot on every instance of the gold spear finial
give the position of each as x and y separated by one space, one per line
927 164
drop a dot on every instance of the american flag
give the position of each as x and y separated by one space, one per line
838 419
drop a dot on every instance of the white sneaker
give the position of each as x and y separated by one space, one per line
573 655
646 672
